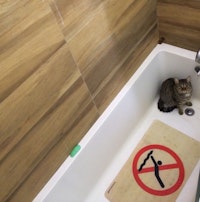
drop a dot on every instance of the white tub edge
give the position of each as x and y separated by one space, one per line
66 164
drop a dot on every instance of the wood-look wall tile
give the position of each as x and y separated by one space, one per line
73 15
34 182
191 3
59 61
113 52
32 99
179 23
87 43
180 36
56 123
127 69
29 34
46 168
180 15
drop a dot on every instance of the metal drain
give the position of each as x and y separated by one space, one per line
189 111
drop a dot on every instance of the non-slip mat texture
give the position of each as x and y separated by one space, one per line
167 182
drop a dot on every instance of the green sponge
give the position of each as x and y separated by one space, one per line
75 150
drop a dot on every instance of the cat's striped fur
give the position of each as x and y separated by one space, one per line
175 93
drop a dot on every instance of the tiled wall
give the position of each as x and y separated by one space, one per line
179 22
61 64
101 36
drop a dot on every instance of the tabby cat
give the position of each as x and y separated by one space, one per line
175 93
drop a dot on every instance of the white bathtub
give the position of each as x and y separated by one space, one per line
108 144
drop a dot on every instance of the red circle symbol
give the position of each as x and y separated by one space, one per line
137 172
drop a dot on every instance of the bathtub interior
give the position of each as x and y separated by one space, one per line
118 133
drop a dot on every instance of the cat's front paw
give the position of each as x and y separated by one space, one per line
189 103
180 111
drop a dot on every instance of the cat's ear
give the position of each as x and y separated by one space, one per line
188 79
176 81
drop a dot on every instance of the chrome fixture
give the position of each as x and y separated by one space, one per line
197 70
197 59
189 111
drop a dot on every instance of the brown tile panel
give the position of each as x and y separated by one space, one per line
180 15
116 19
35 180
17 13
46 168
112 32
179 23
191 3
73 15
114 51
123 74
30 101
61 64
180 36
28 36
61 119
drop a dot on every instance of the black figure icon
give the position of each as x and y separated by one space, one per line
156 167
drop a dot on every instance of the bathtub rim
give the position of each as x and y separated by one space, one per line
160 48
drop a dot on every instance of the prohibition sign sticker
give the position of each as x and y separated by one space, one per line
158 167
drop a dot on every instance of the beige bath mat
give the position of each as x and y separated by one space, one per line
158 168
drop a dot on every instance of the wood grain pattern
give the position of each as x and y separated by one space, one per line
51 162
21 50
179 23
61 64
111 26
73 15
101 53
99 58
191 4
40 140
39 83
30 101
123 74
